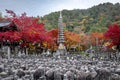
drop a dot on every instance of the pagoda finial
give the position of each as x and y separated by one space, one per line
60 14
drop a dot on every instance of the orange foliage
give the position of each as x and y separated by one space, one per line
96 35
71 38
83 39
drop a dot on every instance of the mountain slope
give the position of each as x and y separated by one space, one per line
96 18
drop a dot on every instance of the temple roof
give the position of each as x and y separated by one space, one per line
4 23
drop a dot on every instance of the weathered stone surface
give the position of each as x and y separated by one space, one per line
70 75
20 73
10 72
3 74
50 74
1 68
117 71
39 72
80 75
54 68
115 77
58 75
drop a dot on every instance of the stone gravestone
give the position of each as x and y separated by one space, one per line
90 53
8 52
19 54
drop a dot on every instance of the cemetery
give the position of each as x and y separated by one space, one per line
30 52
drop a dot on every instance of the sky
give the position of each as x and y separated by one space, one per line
44 7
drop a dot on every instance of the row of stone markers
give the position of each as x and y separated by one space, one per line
70 67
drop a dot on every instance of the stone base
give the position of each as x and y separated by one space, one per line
61 52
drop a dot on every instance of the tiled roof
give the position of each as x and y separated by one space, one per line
4 23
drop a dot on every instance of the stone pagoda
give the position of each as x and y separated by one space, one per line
61 39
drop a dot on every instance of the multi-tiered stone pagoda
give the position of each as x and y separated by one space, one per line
61 39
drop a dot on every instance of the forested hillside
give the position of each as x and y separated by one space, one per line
96 18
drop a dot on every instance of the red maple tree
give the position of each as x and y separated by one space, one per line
113 33
29 27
